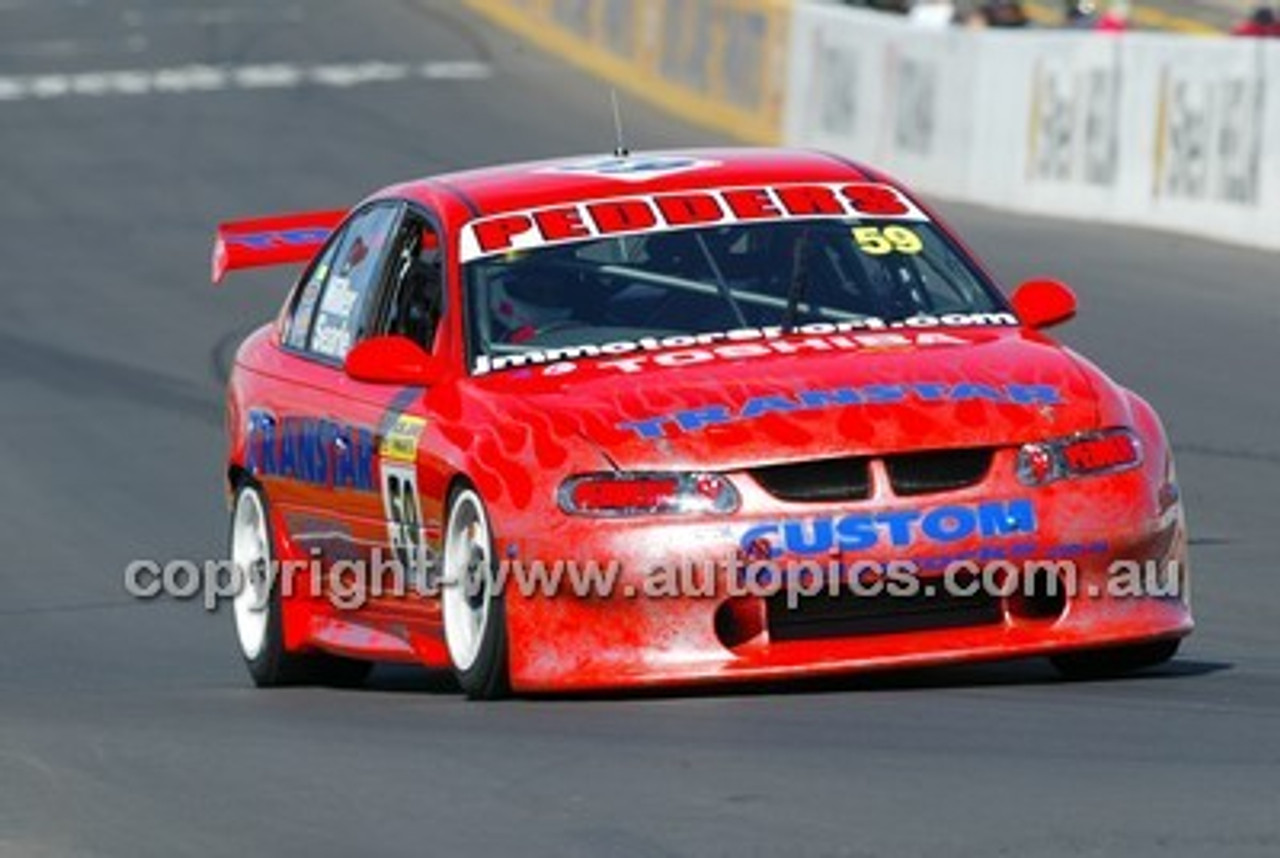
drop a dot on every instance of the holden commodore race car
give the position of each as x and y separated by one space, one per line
675 418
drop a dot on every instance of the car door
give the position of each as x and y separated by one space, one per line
345 464
317 445
409 303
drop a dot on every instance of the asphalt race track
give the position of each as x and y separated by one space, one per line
129 728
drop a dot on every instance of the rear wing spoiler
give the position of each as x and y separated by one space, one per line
275 240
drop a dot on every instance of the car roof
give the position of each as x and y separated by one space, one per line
533 184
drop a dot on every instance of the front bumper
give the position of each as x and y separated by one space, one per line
1120 539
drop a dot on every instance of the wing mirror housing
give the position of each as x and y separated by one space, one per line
1043 303
393 360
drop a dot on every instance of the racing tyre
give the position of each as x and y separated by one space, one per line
257 608
475 625
1114 661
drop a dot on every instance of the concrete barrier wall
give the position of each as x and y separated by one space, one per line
717 62
1161 131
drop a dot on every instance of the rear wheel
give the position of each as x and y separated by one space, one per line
257 607
474 612
1114 661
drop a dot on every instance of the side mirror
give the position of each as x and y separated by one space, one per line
1043 303
393 360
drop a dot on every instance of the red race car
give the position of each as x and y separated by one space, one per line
675 418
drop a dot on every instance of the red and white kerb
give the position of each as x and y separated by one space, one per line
526 230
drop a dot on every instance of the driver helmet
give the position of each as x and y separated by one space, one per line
524 300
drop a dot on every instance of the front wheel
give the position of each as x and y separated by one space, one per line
257 607
474 611
1114 661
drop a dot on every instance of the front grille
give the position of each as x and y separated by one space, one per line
817 481
849 615
849 479
937 471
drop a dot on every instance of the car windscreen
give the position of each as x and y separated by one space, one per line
525 305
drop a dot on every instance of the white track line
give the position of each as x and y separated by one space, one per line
221 17
209 78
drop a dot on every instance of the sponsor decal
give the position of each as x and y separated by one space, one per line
316 451
835 77
1210 138
718 414
401 440
1074 121
1010 550
632 168
867 333
279 238
527 230
914 84
901 528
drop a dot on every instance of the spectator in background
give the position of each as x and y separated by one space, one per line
1115 19
1003 13
1085 15
933 14
1261 22
980 14
1080 14
969 15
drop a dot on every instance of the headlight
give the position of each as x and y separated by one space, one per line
632 494
1092 453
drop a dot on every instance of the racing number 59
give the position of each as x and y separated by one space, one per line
875 241
404 515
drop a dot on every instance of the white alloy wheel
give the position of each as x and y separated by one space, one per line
251 557
467 580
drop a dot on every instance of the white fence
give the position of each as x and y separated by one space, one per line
1163 131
